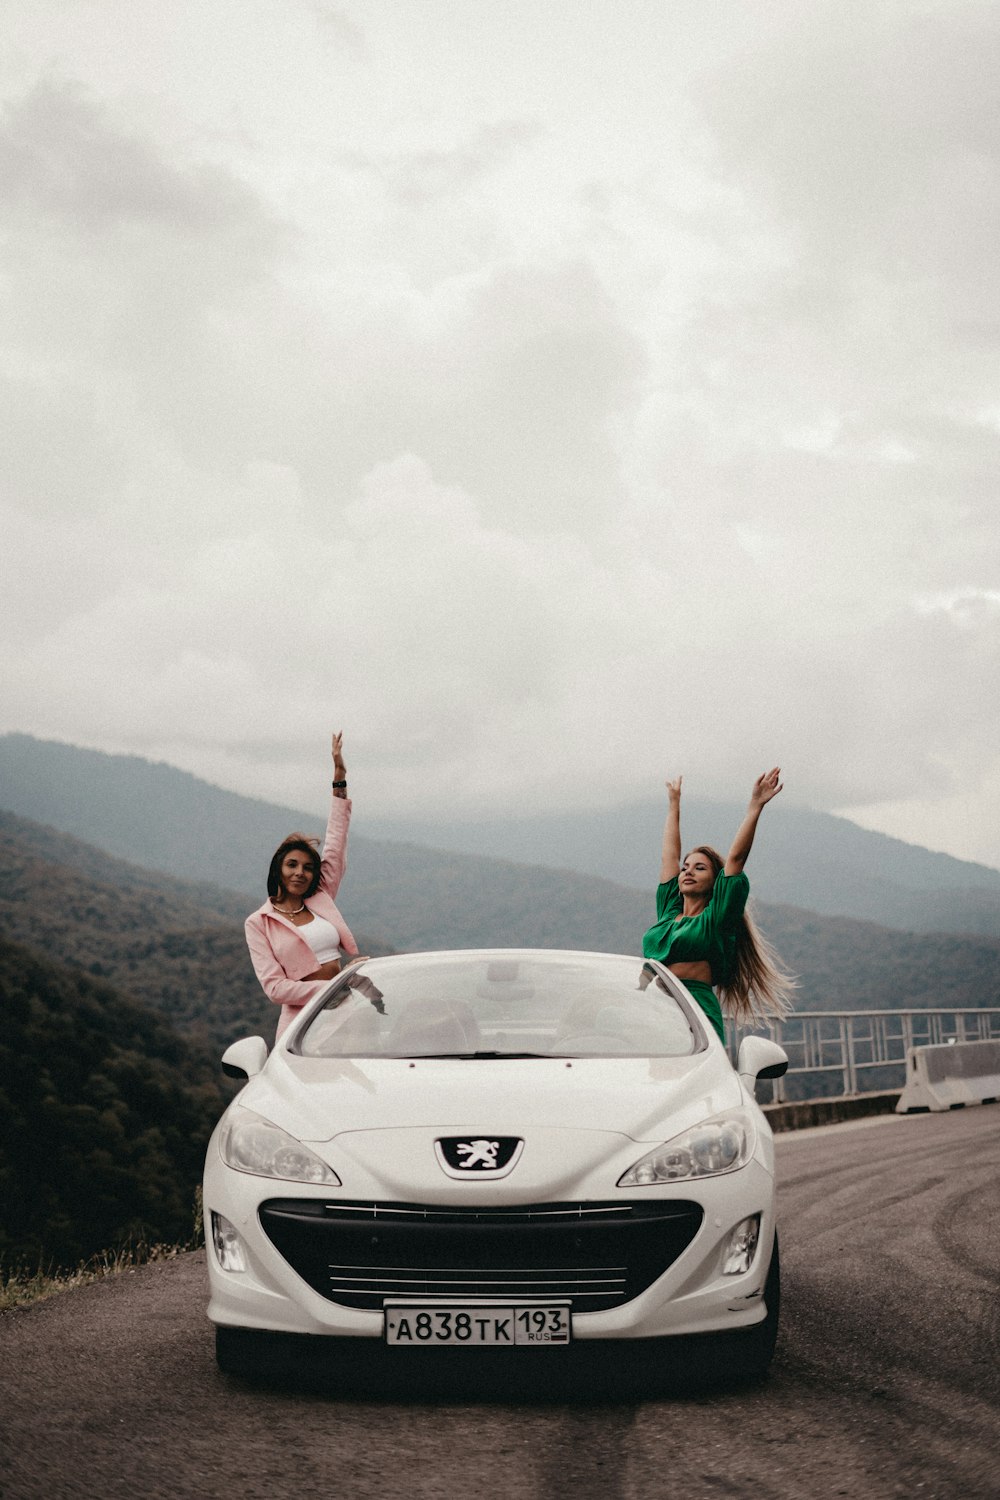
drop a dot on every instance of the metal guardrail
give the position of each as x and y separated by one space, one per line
839 1051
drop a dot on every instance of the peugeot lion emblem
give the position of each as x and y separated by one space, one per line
465 1156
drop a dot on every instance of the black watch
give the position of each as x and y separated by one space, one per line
339 786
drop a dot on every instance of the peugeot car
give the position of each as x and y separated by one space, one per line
501 1150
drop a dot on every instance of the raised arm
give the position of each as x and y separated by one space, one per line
334 861
670 862
764 788
339 769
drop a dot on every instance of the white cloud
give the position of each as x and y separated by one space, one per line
625 411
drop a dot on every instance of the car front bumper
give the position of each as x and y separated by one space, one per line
691 1295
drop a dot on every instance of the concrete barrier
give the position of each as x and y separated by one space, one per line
948 1077
806 1114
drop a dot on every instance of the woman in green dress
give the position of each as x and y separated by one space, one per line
702 932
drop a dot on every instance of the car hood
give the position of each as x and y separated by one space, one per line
643 1099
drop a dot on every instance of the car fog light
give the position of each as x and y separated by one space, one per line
228 1245
742 1247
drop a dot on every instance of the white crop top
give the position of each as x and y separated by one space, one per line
322 937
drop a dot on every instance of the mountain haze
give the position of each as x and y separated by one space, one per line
179 945
800 857
165 819
124 970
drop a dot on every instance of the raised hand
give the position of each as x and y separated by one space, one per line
765 787
674 787
336 749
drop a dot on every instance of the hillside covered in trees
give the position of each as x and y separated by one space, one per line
179 947
166 819
120 988
175 945
105 1113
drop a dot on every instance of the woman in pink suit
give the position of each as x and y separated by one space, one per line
298 938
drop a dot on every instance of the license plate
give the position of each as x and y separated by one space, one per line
477 1325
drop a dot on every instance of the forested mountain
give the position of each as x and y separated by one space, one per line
105 1113
802 858
428 899
180 947
168 820
176 946
124 985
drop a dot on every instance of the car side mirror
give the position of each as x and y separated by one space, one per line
760 1058
245 1058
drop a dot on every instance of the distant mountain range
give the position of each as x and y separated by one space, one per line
121 979
165 819
178 944
802 858
175 946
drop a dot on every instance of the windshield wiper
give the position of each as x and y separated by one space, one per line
476 1056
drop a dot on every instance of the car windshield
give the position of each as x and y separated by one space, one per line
497 1005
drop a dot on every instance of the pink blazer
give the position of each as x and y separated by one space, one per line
281 956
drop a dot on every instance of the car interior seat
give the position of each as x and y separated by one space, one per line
445 1027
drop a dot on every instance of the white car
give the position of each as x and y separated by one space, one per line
495 1149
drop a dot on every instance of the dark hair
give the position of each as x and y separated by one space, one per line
308 846
758 988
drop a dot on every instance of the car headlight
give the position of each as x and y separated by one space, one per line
249 1143
721 1144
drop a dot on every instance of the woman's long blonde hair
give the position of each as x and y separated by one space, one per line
760 988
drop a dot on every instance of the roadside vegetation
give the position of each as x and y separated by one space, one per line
20 1287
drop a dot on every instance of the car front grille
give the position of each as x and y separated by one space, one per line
598 1255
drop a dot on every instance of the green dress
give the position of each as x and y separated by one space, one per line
709 937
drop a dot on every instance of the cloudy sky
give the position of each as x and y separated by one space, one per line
552 393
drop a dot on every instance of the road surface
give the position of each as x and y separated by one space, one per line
885 1381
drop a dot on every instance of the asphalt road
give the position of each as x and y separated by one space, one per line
886 1381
